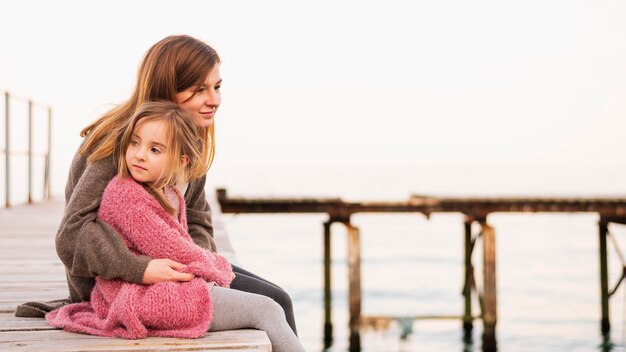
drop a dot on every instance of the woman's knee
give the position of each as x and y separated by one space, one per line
283 299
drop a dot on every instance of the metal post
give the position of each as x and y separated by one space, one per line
30 152
605 325
328 325
490 315
467 289
7 164
46 186
354 288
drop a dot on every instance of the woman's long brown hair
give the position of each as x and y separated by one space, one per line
172 65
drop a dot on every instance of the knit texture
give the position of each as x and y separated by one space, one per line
132 311
89 247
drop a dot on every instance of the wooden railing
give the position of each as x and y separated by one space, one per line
30 153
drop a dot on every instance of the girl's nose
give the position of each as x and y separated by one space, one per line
141 155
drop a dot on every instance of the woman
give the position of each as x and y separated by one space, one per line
181 69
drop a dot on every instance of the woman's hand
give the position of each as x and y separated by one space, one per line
161 270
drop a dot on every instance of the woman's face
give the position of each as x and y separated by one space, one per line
202 101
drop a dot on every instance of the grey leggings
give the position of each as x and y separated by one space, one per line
233 309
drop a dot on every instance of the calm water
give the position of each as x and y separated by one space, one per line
547 264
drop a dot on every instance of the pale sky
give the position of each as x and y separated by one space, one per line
541 82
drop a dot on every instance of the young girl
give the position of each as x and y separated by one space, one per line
161 148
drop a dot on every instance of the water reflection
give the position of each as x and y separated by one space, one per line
607 345
402 328
468 341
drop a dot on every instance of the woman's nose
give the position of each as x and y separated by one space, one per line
213 98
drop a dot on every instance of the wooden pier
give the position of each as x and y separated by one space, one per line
476 210
31 271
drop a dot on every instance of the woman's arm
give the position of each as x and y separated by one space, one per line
87 246
199 223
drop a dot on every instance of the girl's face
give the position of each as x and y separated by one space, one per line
202 101
146 154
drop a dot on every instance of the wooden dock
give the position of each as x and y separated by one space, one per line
476 210
31 271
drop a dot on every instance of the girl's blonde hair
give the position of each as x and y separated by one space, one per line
182 137
172 65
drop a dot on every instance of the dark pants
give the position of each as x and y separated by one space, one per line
248 282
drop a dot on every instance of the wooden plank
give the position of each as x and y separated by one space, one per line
221 238
33 295
54 269
31 271
27 242
9 322
58 341
42 278
9 306
28 285
30 262
607 207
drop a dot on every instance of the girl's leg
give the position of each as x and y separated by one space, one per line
248 282
234 309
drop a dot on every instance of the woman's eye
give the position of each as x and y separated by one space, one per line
218 87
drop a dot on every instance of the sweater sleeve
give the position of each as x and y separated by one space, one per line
149 230
87 246
199 223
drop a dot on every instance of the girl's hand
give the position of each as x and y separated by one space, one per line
161 270
231 281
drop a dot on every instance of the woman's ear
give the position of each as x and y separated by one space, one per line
185 160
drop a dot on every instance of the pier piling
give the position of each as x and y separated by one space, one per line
490 315
328 325
605 325
354 289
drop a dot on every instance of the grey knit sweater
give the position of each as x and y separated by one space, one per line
89 247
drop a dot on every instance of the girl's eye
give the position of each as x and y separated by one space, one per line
134 142
218 87
155 150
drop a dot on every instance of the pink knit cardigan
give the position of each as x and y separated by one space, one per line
132 311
